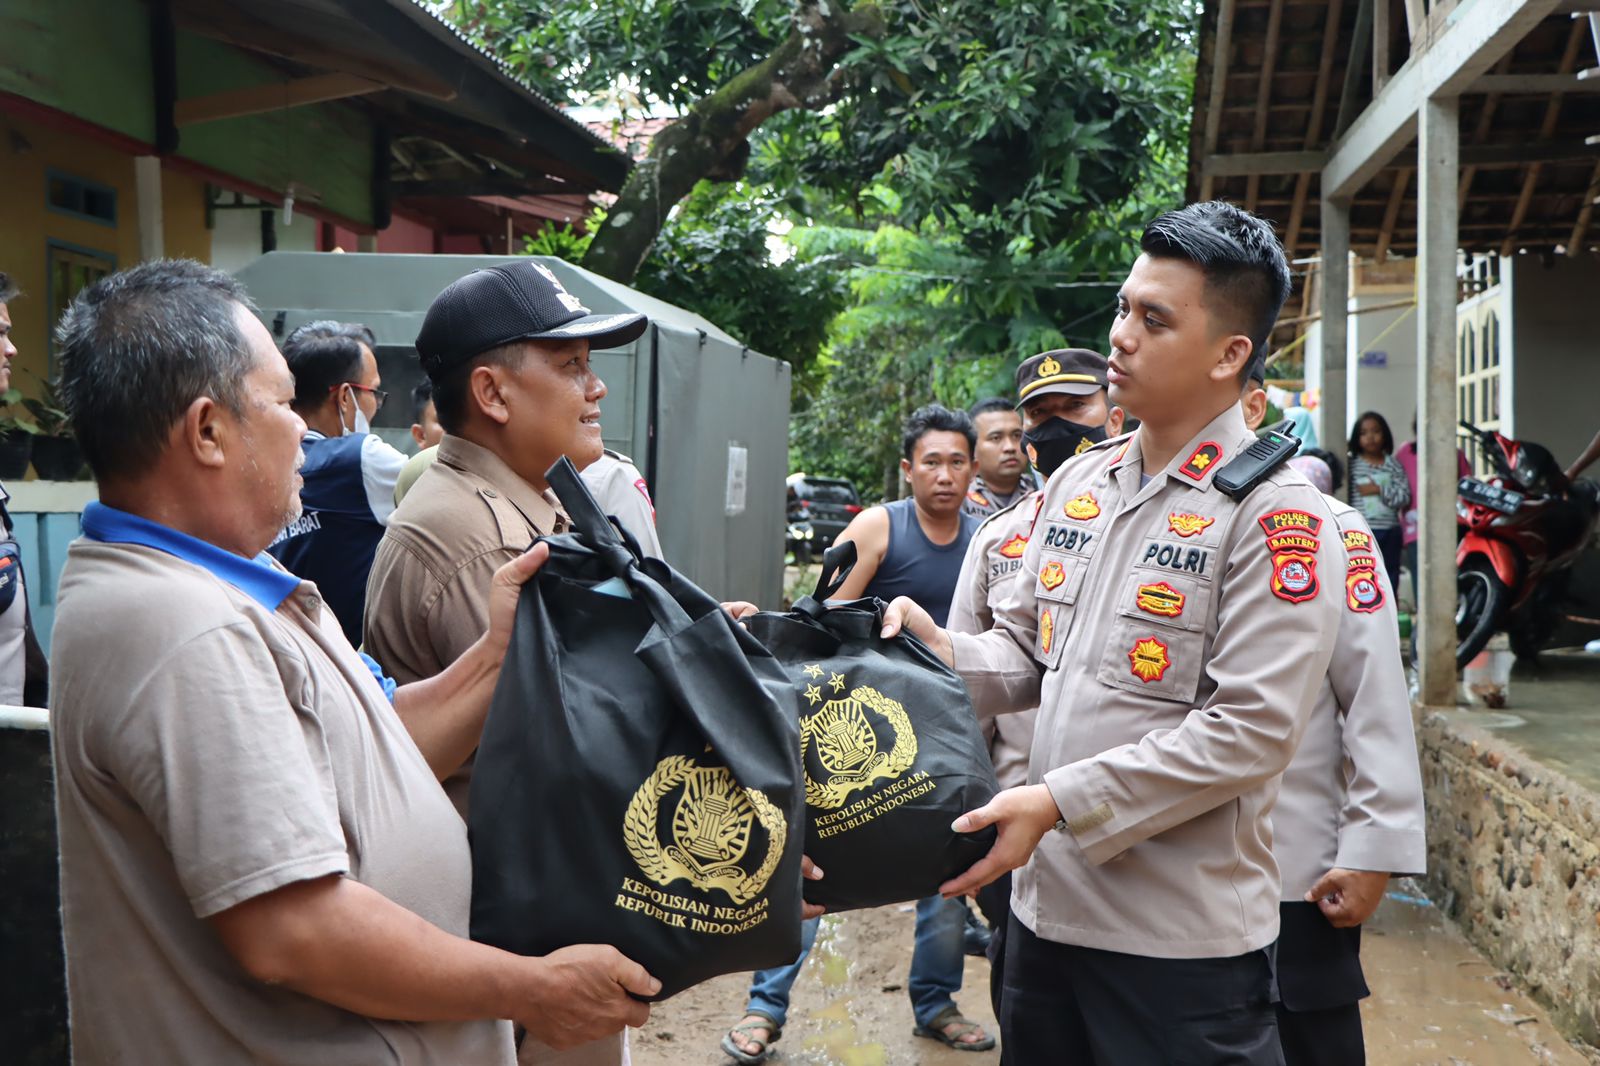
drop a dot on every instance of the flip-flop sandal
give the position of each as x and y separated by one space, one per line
763 1047
948 1027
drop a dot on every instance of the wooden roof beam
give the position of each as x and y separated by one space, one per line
1552 114
1586 81
1319 107
1269 60
278 96
1580 228
1391 214
1465 50
1219 87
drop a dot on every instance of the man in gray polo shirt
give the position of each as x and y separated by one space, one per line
258 862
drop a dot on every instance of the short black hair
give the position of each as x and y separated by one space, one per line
450 384
323 355
8 288
421 397
990 406
1246 273
137 347
1383 426
1335 466
935 418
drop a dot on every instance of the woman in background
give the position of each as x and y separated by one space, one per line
1378 487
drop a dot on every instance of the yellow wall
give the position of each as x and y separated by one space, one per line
28 150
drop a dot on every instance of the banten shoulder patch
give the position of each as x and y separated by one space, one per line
1362 590
1202 459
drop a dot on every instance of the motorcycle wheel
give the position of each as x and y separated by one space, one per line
1481 602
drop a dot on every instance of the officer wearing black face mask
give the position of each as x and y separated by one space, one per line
1062 396
1064 409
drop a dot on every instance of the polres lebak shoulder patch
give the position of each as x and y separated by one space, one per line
1356 540
1200 460
1292 538
1290 520
1363 591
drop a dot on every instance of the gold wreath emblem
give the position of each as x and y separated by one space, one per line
710 829
847 746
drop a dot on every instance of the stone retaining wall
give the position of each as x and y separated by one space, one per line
1514 860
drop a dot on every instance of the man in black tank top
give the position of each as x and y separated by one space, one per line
911 547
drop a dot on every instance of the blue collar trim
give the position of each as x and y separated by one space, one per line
256 577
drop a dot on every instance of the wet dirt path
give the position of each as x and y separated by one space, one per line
1435 1002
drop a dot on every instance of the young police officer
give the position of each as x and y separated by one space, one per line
1180 627
1349 811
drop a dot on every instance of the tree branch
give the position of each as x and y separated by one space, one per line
711 141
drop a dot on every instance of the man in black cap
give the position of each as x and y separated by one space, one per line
507 350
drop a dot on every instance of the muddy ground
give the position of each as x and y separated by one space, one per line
1435 1002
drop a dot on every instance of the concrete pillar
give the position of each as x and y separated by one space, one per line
1438 156
1335 280
147 187
366 242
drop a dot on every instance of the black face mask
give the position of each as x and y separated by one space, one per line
1056 440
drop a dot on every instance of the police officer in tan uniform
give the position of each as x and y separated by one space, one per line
1349 811
1060 417
507 349
1174 635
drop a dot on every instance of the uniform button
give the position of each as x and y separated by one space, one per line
490 493
313 603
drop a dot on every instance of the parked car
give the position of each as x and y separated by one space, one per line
819 508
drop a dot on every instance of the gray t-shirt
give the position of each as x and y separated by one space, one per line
210 748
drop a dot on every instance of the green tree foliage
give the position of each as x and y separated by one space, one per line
976 172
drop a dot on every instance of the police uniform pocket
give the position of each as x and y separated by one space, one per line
1161 598
1153 659
1056 588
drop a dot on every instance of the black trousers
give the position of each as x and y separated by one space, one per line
994 901
1072 1006
1320 986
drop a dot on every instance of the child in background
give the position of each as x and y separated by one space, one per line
1378 487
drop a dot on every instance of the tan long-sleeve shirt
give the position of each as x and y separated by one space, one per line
1175 641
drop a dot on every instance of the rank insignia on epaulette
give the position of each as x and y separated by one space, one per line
1362 591
1082 507
1013 548
1201 460
1188 525
1148 659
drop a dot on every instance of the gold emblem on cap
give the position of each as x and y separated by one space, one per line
1049 367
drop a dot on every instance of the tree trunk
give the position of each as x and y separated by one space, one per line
711 140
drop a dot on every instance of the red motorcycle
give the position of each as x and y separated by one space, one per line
1521 531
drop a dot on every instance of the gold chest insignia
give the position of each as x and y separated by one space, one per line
846 746
1052 575
1160 598
1082 507
710 828
1149 660
1188 525
1013 548
1047 631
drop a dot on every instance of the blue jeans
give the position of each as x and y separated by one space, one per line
936 963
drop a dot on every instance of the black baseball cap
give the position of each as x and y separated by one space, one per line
1074 371
519 301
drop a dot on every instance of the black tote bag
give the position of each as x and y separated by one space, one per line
638 779
890 749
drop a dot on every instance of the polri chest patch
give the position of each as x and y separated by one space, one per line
1172 556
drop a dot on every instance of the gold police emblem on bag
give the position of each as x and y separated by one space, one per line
847 746
711 829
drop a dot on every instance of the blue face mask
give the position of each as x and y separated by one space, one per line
1055 440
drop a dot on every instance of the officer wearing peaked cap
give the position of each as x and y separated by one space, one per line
1169 622
507 350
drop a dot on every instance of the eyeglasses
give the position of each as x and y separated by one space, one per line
378 394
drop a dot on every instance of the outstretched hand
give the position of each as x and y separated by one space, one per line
504 591
905 613
1023 815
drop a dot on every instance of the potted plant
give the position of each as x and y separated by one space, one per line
16 438
56 454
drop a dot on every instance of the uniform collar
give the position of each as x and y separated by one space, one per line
1198 461
542 510
256 578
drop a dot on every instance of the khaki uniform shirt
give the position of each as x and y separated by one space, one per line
428 598
994 556
1182 639
210 749
1352 796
